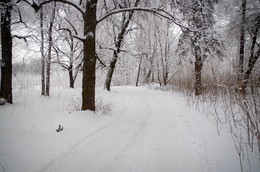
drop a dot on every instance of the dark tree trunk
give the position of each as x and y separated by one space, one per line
148 76
48 66
111 70
252 60
158 73
138 73
89 63
166 54
71 78
198 68
6 41
242 42
42 53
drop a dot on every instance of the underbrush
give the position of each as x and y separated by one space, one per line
240 113
103 106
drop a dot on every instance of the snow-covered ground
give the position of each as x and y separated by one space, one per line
146 131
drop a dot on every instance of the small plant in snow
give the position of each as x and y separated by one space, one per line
60 128
75 104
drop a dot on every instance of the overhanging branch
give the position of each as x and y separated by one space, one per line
156 11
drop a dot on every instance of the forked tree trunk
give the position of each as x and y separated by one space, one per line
6 41
89 63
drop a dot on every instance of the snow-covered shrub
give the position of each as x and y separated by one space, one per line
104 107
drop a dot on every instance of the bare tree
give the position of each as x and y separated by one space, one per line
118 43
71 59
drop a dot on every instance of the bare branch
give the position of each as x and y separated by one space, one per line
173 74
20 17
23 37
101 62
75 30
38 6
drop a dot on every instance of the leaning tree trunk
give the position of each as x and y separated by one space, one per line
111 70
89 62
6 41
120 37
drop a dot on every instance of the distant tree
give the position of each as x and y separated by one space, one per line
71 51
202 43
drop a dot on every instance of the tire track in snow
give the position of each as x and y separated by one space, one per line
109 147
79 145
136 133
74 148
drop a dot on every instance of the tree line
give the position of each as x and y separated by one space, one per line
71 34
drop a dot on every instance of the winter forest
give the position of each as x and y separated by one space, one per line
130 85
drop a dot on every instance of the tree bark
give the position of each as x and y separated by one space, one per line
111 70
6 41
42 54
158 73
48 66
242 42
198 68
71 78
89 62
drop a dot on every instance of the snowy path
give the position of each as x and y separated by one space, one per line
147 131
150 134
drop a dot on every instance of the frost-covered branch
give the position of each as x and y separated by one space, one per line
156 11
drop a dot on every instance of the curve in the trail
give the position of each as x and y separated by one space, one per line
154 132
